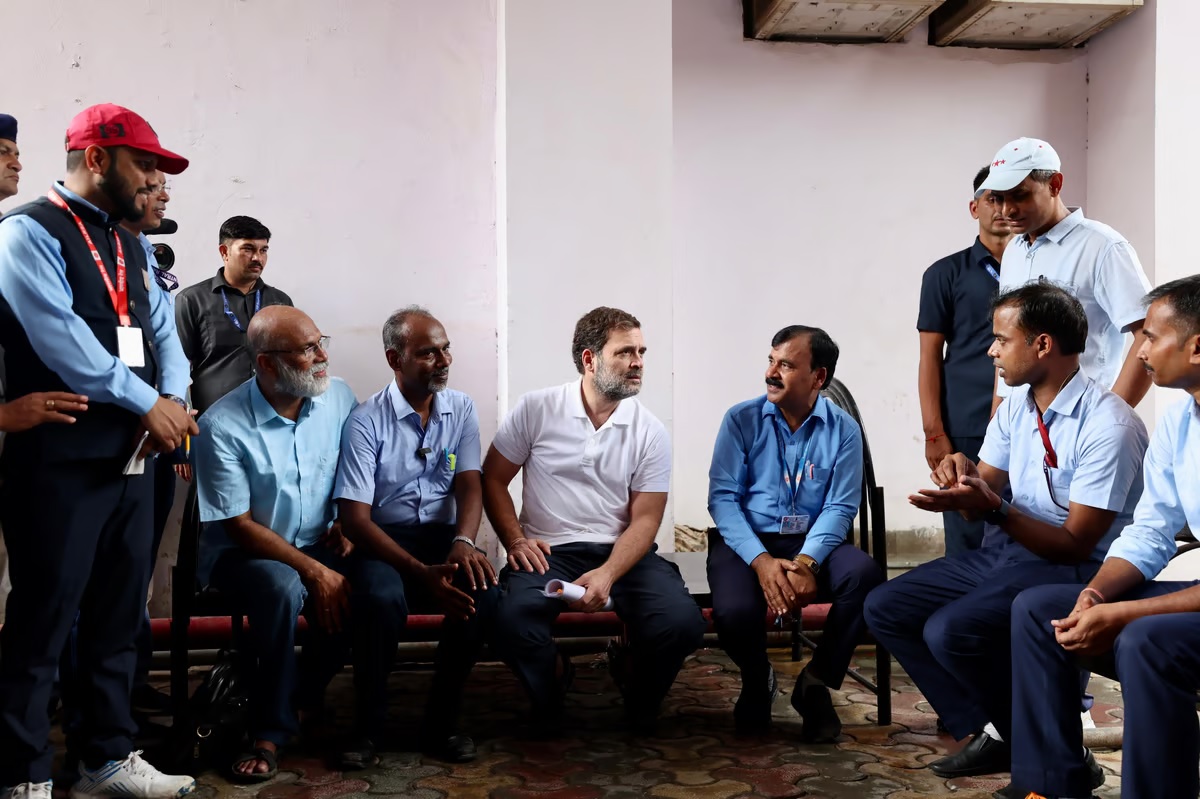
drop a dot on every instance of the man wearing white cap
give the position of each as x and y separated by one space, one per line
1096 263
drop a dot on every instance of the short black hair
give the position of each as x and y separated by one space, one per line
1183 295
981 176
823 348
592 329
1044 307
243 227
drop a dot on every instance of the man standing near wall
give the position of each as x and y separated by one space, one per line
956 376
1095 262
213 315
76 314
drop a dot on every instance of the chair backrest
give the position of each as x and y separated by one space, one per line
872 520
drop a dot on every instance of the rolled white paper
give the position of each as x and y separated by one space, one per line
569 592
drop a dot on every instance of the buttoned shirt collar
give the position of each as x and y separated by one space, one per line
264 412
621 417
219 282
403 409
1067 401
819 411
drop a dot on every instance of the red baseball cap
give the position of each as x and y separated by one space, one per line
109 125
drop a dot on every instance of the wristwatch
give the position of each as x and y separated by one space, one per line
999 515
809 561
180 401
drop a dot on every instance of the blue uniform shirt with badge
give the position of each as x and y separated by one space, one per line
1172 496
1096 440
249 458
403 471
767 480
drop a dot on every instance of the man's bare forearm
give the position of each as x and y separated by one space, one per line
359 528
262 542
468 500
501 512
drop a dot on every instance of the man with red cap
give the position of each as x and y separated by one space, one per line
79 313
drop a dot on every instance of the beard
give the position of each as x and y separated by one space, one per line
615 385
302 382
438 381
122 195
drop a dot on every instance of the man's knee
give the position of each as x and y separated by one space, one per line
879 607
266 589
857 577
1034 607
1138 647
519 618
379 598
734 611
676 627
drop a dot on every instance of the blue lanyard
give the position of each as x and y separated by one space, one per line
229 313
992 271
793 477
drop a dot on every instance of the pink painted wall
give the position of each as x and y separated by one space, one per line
815 184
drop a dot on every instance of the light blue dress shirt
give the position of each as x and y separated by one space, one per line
1172 463
381 467
747 495
1099 441
249 458
33 280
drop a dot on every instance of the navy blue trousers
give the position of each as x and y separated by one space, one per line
739 607
947 623
664 622
1157 660
78 537
272 597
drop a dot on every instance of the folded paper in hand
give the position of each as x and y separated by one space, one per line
569 592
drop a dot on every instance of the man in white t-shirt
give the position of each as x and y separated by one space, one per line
1096 263
597 469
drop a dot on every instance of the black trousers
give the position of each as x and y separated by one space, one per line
164 499
79 539
740 609
664 622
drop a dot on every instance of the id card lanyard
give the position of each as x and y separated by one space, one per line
793 476
119 294
233 317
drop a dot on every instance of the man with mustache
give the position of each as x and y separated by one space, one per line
75 314
1096 263
1071 451
596 470
783 489
1148 632
265 470
10 157
213 315
410 498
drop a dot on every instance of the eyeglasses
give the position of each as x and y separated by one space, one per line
1050 484
308 352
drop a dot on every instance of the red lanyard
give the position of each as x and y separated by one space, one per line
1051 457
118 294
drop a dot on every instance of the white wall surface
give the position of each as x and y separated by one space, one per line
814 184
361 133
588 185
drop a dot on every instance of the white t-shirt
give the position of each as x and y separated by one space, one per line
1101 269
577 480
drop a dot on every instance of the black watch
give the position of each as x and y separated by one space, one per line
180 401
999 515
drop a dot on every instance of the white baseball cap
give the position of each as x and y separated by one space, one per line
1016 160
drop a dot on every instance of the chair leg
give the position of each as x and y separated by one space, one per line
883 683
797 631
180 621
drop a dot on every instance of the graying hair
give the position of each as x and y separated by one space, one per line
1043 175
395 329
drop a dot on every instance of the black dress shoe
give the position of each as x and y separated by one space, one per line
451 748
983 755
815 706
752 713
358 754
1011 791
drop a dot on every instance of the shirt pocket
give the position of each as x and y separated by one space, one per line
1057 487
813 489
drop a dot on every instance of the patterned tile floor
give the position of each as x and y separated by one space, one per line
695 753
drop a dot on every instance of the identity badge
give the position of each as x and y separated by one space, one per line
793 525
129 346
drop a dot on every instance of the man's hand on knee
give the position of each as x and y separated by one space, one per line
438 580
772 577
528 554
599 583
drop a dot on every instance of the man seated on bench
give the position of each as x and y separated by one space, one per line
783 489
1148 631
410 499
1071 452
265 465
597 468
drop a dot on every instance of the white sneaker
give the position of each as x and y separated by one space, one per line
1087 721
131 777
29 790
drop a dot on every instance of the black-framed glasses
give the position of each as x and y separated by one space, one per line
322 344
1050 485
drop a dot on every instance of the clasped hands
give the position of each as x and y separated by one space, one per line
960 488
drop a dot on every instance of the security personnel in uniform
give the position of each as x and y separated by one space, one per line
78 312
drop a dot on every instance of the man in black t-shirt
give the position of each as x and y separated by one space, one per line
956 377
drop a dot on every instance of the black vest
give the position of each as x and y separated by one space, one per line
105 430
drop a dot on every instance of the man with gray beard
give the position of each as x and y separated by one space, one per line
597 468
264 470
409 497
